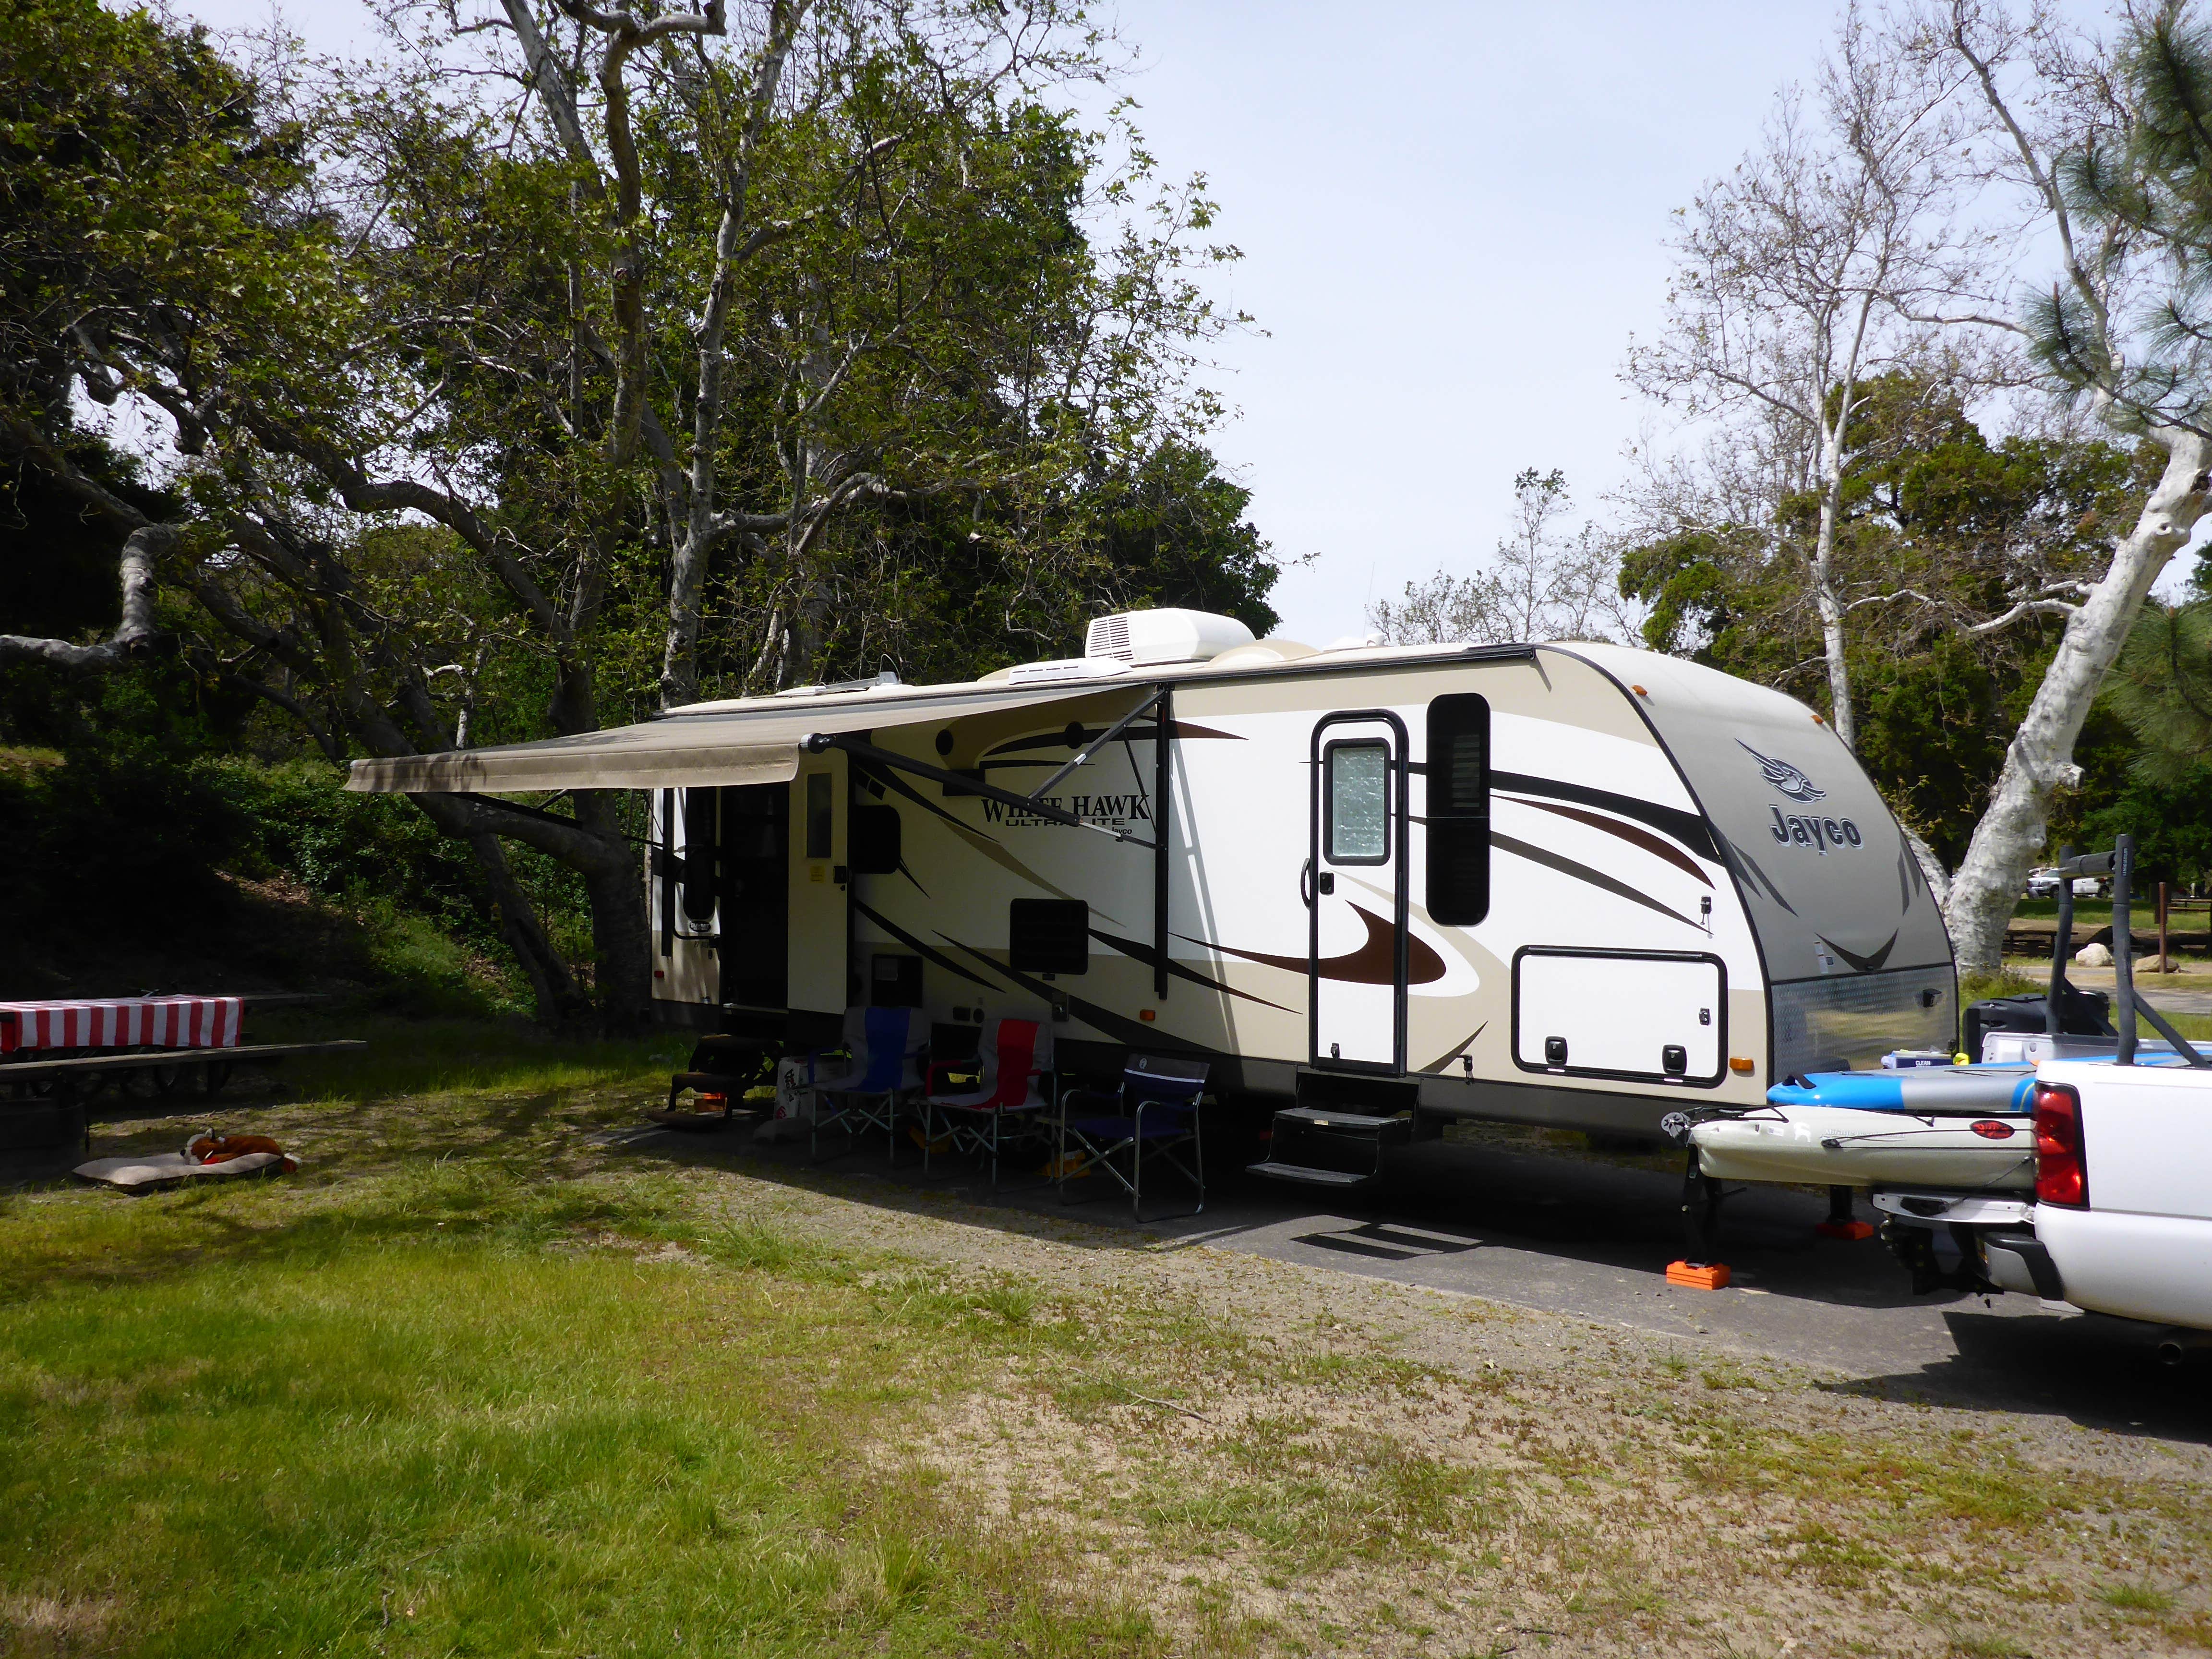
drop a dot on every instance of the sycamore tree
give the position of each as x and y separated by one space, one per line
1805 275
507 380
2109 148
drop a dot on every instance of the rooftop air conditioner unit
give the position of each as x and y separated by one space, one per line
1141 637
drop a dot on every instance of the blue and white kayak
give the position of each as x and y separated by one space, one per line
1938 1090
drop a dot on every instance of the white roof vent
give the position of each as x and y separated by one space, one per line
1140 637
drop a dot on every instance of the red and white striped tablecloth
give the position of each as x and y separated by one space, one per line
122 1022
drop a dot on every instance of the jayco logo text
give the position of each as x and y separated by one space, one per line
1820 834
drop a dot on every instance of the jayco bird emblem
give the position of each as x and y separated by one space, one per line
1783 775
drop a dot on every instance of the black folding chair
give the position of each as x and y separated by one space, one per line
1152 1119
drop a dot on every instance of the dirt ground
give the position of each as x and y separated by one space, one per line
1278 1459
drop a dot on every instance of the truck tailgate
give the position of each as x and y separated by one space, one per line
2142 1248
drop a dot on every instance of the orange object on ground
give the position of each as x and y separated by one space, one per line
1850 1230
1698 1276
220 1148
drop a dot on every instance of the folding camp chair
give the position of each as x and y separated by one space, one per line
870 1086
1151 1118
722 1069
1006 1105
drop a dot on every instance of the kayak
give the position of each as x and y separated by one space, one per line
1885 1146
1938 1089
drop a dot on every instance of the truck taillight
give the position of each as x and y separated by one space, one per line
2062 1176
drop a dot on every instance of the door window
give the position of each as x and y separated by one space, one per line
1357 803
819 829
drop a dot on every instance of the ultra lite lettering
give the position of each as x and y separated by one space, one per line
1820 834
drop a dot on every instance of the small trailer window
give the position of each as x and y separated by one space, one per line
819 828
875 841
1049 936
1458 817
1357 803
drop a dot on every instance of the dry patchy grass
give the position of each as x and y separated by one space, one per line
478 1380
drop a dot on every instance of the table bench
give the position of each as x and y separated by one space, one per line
54 1115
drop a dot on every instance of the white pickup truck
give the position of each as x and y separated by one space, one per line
2121 1222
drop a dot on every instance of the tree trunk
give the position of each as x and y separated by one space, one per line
2040 758
621 934
1824 582
562 1005
1932 867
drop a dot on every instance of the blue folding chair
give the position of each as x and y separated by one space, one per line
869 1088
1152 1118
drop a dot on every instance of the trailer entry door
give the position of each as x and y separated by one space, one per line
1355 889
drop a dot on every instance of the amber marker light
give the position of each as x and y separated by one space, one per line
1743 1063
1146 1014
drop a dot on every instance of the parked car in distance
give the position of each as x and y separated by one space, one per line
2044 883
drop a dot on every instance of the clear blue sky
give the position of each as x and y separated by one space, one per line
1452 218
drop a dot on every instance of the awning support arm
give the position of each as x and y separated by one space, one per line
1099 743
817 742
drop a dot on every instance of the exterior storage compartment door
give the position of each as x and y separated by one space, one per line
1647 1016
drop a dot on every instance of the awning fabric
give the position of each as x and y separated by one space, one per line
756 742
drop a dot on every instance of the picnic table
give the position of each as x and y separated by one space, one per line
146 1022
55 1055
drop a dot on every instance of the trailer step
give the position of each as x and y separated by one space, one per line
1324 1117
1306 1174
1327 1145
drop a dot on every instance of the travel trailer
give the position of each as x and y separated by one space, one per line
1574 885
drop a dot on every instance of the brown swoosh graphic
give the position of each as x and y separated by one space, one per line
1375 962
1146 954
1627 832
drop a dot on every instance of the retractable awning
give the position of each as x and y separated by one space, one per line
755 744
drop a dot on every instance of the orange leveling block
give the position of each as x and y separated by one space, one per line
1839 1224
1698 1275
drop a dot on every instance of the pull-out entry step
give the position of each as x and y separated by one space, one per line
1329 1146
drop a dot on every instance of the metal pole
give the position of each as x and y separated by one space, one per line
2059 941
2164 962
1162 822
2124 947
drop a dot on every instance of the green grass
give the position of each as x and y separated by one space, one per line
450 1406
2191 927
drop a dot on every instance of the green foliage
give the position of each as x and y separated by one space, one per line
2144 176
102 845
2161 686
135 171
